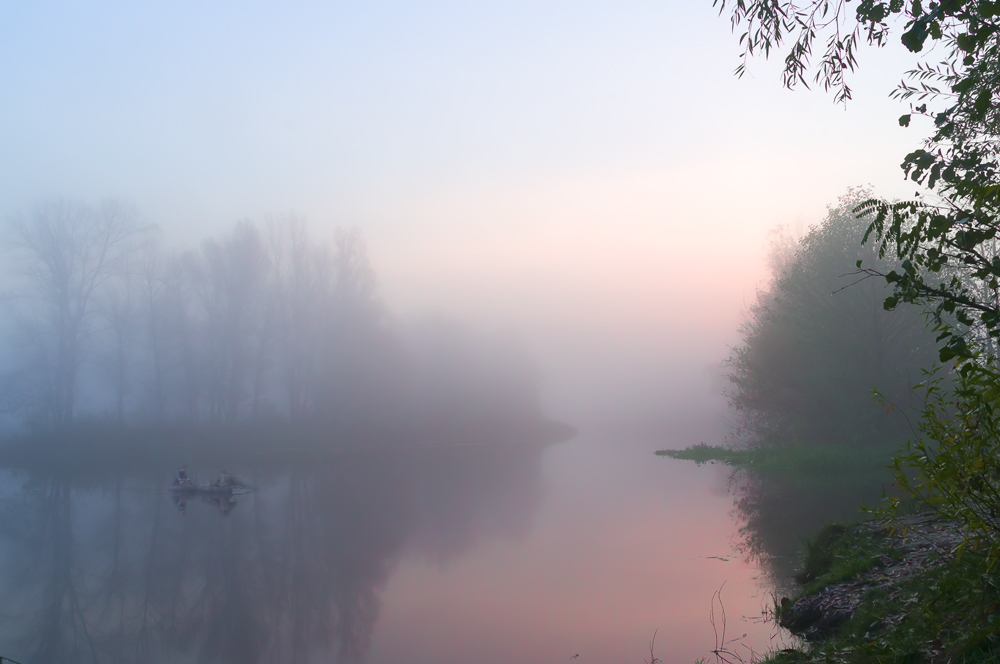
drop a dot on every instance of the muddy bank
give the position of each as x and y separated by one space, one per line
910 547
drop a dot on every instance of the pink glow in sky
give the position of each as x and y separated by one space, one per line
588 176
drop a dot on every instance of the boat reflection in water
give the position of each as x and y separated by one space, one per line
223 501
104 569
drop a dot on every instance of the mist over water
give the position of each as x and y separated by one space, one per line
413 486
434 282
112 568
521 552
418 488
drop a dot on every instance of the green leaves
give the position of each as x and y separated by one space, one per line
946 247
914 38
955 461
966 42
982 103
820 337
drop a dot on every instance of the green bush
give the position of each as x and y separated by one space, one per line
954 465
818 339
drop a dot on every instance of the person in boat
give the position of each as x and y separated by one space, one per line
225 479
181 477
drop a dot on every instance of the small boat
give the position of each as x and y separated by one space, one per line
191 488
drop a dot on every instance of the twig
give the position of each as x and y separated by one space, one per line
652 658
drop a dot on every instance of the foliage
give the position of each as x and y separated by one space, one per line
818 340
945 243
942 613
809 464
946 248
965 28
954 466
702 453
838 553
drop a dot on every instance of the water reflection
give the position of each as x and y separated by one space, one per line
112 569
777 513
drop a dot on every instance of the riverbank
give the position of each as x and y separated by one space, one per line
809 463
875 592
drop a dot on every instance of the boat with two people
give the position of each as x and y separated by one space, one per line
226 484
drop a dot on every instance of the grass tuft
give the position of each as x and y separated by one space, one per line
797 462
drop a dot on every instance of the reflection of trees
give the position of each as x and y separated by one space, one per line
62 628
46 600
104 573
777 512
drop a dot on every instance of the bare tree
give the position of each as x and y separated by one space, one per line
182 325
229 278
153 285
118 306
68 252
304 284
355 277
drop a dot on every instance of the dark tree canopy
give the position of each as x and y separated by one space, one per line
944 239
944 242
818 340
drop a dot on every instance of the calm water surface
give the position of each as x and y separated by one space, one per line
466 554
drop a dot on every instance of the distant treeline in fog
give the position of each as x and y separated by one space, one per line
818 340
104 322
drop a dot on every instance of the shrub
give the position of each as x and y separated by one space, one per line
954 465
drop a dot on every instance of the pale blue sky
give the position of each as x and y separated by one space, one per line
542 165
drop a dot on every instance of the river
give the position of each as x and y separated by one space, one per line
584 549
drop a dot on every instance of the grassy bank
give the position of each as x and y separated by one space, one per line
869 591
808 463
875 594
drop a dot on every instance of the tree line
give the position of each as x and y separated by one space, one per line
817 341
105 321
942 242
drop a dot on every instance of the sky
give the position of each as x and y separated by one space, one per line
589 177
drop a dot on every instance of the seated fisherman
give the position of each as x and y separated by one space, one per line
225 479
181 477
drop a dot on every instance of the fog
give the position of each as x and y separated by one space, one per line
297 569
544 170
280 239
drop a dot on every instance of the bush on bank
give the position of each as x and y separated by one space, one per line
947 609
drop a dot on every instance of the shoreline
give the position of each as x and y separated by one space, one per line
98 444
904 591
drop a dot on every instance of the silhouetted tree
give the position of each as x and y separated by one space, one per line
118 309
66 254
228 278
304 284
818 340
255 324
153 286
